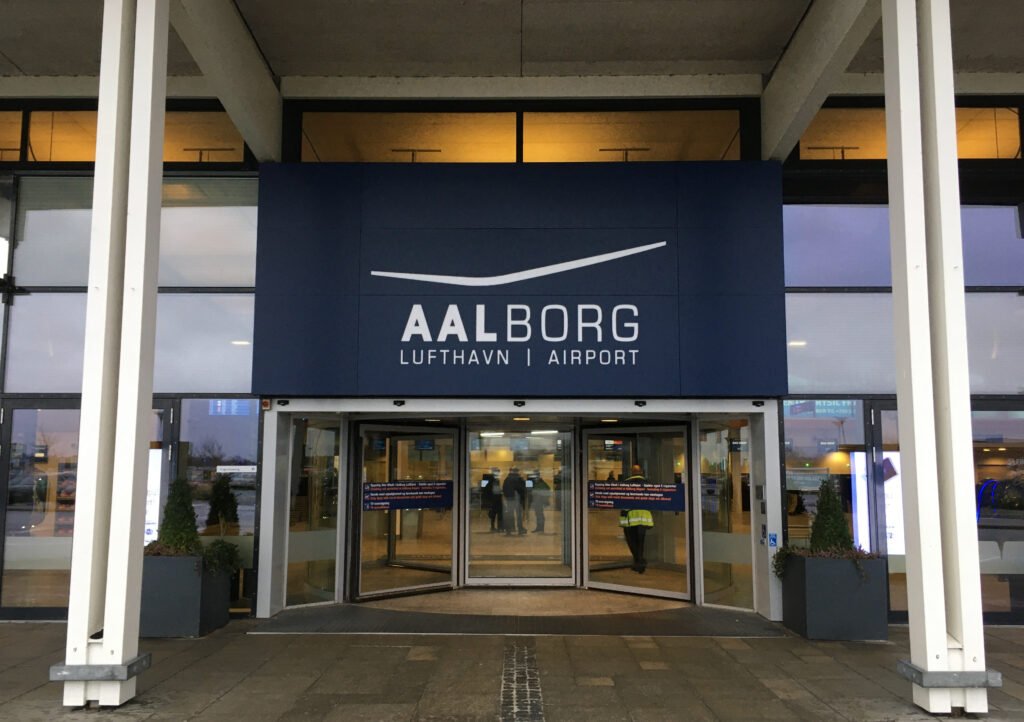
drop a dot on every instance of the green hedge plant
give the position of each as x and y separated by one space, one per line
830 535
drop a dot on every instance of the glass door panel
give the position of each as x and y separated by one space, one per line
42 470
313 511
889 518
520 506
725 513
638 545
406 494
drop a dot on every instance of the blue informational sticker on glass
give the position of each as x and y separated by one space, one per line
424 444
773 540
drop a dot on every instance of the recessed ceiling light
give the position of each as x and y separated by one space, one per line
431 419
544 431
609 421
492 434
520 418
241 343
797 344
986 449
1001 448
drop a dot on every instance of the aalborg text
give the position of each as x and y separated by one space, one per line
581 335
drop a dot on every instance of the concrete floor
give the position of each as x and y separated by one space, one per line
232 675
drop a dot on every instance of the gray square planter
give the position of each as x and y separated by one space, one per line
834 599
179 600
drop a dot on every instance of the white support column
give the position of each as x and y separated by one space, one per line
102 344
118 371
138 338
952 396
943 584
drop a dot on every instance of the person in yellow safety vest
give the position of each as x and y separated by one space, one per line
635 523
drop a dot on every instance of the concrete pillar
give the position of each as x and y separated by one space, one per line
106 565
943 583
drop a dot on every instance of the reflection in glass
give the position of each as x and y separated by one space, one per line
837 245
859 134
207 232
409 137
203 342
995 342
404 543
671 135
824 441
520 503
999 491
47 342
10 135
42 477
725 513
313 511
217 456
840 343
833 245
662 458
890 517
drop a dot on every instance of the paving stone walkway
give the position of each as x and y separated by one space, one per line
232 675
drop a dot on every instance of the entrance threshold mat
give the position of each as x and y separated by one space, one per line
359 619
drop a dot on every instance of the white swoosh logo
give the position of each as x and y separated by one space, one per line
518 275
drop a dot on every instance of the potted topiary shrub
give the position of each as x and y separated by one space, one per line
185 588
832 590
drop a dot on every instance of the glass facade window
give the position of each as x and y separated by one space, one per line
203 343
824 442
841 245
207 232
40 515
10 135
995 342
999 491
840 343
201 137
859 134
47 341
217 457
672 135
189 137
62 136
836 245
409 137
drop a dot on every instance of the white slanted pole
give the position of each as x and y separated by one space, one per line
102 347
138 338
958 523
118 375
947 665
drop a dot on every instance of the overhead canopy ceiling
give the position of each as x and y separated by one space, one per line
413 38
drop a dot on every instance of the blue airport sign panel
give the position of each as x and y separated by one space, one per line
584 280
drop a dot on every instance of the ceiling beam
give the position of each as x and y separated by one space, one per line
87 86
963 84
515 87
222 46
818 54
